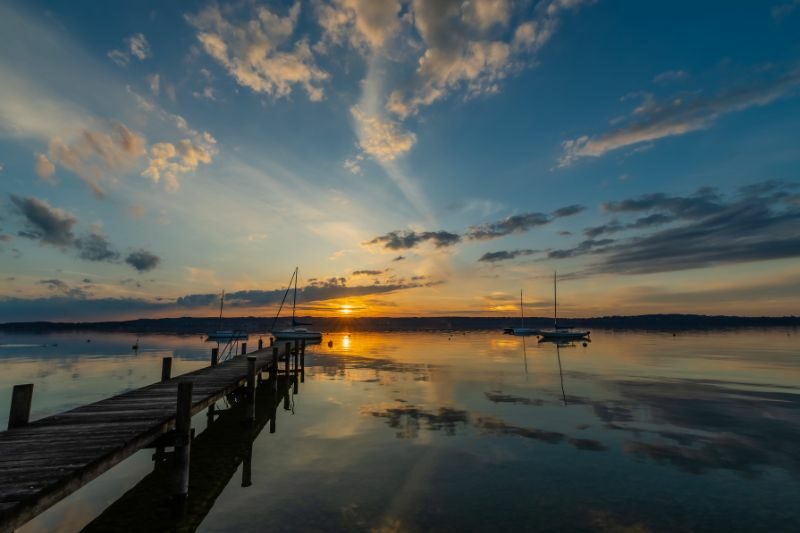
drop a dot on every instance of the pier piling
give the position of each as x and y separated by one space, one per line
21 399
183 442
166 368
244 348
251 387
214 356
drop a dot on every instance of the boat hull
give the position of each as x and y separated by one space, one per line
290 335
564 334
226 336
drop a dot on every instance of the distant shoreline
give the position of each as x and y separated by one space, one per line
195 325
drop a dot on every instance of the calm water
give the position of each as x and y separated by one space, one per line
437 431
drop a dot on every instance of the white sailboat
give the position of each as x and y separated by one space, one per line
560 332
294 332
521 331
224 335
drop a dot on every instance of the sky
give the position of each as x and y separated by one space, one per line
411 157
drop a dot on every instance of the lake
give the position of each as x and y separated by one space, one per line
459 431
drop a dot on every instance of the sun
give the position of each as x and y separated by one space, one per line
345 309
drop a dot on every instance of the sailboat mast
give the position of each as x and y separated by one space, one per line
521 311
221 303
294 298
555 301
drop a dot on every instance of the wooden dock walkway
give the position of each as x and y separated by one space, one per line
46 460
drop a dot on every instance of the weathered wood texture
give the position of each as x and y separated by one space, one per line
48 459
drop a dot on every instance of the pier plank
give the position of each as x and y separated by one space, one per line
46 460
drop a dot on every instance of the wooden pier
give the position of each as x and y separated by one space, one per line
44 461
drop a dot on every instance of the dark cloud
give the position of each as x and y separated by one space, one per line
656 219
398 258
54 226
96 247
759 222
505 255
72 307
62 287
368 272
582 248
568 211
703 203
142 260
317 291
404 240
519 223
54 284
48 225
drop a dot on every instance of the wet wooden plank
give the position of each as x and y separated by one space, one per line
50 458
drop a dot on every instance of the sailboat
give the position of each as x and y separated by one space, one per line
560 332
294 332
225 335
521 331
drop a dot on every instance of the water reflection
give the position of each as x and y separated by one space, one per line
420 431
222 449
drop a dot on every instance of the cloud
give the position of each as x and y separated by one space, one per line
154 81
666 209
47 224
505 255
94 155
95 246
581 249
404 240
167 161
398 258
758 223
381 138
44 168
142 260
63 288
368 272
671 75
461 52
258 53
678 116
354 164
784 10
54 226
364 24
519 223
135 46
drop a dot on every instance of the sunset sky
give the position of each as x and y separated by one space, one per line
411 157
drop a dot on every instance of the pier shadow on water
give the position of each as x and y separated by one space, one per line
222 449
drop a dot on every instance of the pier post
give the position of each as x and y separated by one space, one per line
271 341
288 357
247 466
260 344
183 442
273 404
214 356
296 353
273 369
166 368
251 388
21 399
303 361
244 348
